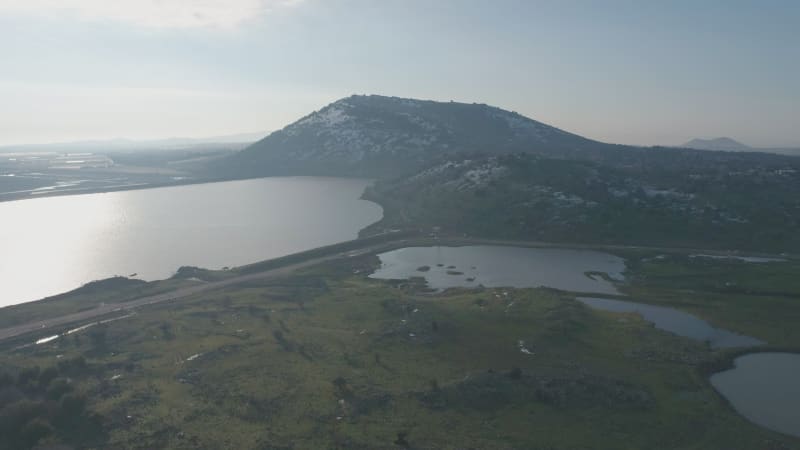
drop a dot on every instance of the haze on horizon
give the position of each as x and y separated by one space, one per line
642 73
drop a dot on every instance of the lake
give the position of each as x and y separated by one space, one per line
675 321
55 244
495 266
764 388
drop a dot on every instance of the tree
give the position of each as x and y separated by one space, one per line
34 431
6 380
401 439
98 336
72 405
46 376
28 376
57 388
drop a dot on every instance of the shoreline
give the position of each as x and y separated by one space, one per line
383 242
726 361
21 335
366 232
8 197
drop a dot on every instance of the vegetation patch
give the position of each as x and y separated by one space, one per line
329 358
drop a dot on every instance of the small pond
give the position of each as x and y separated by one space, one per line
675 321
495 266
764 388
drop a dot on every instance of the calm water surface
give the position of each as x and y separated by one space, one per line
52 245
675 321
494 266
764 388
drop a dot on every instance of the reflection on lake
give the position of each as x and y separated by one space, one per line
764 388
494 266
51 245
675 321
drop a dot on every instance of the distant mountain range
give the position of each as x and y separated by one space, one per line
112 145
379 137
719 144
726 144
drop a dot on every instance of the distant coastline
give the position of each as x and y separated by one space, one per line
16 196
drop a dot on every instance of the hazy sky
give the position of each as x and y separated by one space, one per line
638 72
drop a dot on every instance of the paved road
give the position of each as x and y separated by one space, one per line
107 309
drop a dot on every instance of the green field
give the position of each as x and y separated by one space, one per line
328 358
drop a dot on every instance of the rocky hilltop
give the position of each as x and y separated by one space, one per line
377 136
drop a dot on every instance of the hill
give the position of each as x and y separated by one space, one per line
482 170
530 197
383 136
781 150
719 144
724 144
387 137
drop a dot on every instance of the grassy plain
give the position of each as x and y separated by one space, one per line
329 358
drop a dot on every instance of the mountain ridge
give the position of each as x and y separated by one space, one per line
484 171
718 144
377 135
528 197
726 144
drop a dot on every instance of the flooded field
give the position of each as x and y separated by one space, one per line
675 321
494 266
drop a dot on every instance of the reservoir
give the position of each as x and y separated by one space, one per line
496 266
764 388
55 244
